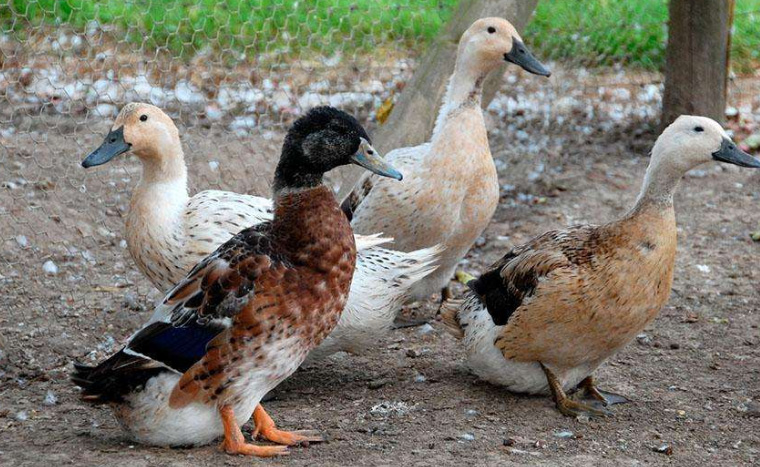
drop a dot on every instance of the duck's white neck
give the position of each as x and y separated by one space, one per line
465 88
158 203
660 183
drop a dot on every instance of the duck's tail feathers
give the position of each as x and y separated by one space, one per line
364 242
114 378
416 265
450 317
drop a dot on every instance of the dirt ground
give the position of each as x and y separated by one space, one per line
693 376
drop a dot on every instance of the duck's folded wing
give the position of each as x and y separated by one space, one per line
401 159
515 277
204 304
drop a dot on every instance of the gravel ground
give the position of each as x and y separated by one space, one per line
566 153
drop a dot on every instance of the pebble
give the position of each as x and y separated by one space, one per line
131 301
467 437
425 329
703 268
22 416
564 434
22 241
378 383
644 339
664 449
411 353
50 268
420 378
50 398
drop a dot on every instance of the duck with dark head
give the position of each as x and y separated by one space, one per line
247 315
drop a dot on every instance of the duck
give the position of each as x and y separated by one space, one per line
168 232
245 317
450 189
547 314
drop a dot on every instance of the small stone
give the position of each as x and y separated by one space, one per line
675 345
703 268
131 301
22 241
378 383
22 416
644 339
50 268
509 442
50 398
755 236
471 413
467 437
664 449
425 329
564 434
213 165
411 353
420 379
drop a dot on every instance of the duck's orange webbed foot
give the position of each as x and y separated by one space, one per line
265 428
234 442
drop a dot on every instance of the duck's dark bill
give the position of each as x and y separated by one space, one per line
370 159
113 145
730 152
521 56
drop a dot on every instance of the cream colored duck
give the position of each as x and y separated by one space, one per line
168 232
545 316
450 188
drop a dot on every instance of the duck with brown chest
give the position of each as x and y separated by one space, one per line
545 316
245 317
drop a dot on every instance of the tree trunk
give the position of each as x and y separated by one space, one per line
697 59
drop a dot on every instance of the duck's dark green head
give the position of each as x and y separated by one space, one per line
321 140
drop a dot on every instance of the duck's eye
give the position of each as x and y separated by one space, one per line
143 118
370 151
491 30
699 129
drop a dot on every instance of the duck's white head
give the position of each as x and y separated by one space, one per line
691 141
489 42
143 129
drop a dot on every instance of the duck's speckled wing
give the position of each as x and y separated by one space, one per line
403 159
200 307
515 277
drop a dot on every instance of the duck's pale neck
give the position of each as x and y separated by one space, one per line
465 88
660 183
159 201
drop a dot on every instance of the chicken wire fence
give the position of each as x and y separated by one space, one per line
232 75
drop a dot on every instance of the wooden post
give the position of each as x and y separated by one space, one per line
697 59
413 117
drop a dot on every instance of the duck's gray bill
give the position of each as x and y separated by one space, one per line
370 159
729 152
521 56
113 145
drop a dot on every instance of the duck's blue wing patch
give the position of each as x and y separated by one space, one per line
178 348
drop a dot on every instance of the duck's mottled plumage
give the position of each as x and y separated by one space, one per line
168 232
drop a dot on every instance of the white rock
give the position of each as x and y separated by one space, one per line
213 165
425 329
703 268
22 241
50 268
50 398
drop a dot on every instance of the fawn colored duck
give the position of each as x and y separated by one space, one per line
545 316
450 188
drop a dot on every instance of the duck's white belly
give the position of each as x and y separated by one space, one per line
148 419
488 363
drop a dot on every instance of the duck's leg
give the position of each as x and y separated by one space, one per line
565 405
234 442
265 427
445 295
607 398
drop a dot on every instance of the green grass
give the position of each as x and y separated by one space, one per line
587 32
607 32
